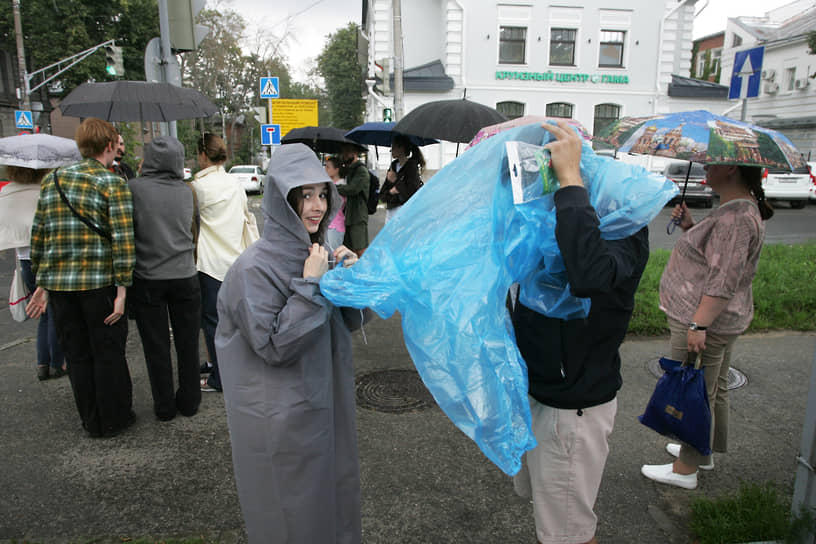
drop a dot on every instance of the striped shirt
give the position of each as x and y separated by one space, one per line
66 255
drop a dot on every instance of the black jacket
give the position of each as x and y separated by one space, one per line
575 364
408 182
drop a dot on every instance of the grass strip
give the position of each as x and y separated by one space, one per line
755 513
784 291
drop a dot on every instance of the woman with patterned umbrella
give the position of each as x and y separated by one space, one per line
701 136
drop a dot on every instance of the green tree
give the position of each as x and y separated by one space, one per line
706 65
694 49
343 76
53 31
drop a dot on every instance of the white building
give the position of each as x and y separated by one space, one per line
787 96
593 61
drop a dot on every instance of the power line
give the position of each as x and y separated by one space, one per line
304 10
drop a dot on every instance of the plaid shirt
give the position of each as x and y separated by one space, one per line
66 255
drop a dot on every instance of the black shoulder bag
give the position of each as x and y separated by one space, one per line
82 218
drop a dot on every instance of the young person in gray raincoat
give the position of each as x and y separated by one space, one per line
285 356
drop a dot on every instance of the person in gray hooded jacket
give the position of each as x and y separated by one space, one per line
165 277
285 357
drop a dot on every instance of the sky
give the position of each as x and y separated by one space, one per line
311 20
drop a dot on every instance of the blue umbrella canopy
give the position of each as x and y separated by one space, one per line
380 133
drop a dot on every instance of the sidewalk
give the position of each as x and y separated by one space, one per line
423 481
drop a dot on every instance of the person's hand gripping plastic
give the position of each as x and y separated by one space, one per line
565 152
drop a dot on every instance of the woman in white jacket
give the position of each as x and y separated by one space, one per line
222 205
18 202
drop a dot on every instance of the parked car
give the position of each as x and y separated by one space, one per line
792 187
812 168
249 176
697 191
187 174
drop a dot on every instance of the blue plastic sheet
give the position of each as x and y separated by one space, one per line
447 260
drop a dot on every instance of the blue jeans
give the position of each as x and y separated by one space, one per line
49 351
209 321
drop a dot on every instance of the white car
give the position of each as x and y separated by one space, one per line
792 187
251 177
812 167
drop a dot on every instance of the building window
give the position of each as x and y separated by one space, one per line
510 109
605 114
716 57
562 46
559 109
736 41
791 77
611 51
512 43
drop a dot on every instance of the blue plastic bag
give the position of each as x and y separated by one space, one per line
446 261
679 406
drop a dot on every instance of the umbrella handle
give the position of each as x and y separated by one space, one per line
672 225
674 222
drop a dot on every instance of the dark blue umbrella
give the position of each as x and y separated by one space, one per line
381 133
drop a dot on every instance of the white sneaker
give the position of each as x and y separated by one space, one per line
674 449
664 475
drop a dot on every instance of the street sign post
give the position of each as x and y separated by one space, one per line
291 113
269 87
747 73
270 135
746 77
23 119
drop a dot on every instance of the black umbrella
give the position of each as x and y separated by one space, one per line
452 120
320 139
136 101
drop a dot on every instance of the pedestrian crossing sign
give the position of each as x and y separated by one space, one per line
269 87
23 119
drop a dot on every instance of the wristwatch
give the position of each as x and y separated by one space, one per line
695 327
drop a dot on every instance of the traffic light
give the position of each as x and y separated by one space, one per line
113 58
388 115
384 67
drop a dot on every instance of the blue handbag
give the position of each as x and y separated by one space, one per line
679 405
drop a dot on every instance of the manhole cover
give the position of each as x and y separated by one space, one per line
736 379
393 391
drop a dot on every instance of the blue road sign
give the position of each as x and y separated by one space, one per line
23 119
747 65
270 135
269 87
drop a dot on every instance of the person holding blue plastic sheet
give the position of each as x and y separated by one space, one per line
285 356
705 291
574 365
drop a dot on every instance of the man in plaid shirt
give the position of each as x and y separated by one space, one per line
83 269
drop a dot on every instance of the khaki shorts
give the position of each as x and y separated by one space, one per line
356 236
563 472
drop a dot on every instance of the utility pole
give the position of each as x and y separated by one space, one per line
166 52
399 61
22 91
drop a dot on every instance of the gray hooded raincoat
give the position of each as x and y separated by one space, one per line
285 357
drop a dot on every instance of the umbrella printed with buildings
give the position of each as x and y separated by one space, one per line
700 136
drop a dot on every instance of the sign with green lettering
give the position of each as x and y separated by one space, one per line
565 77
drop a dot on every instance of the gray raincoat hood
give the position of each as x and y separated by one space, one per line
292 165
284 354
163 159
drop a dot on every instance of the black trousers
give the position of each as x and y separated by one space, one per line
95 352
151 301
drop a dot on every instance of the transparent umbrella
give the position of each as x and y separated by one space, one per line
38 151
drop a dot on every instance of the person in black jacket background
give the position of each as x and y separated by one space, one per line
574 365
404 176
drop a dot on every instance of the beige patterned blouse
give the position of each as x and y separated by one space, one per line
717 257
